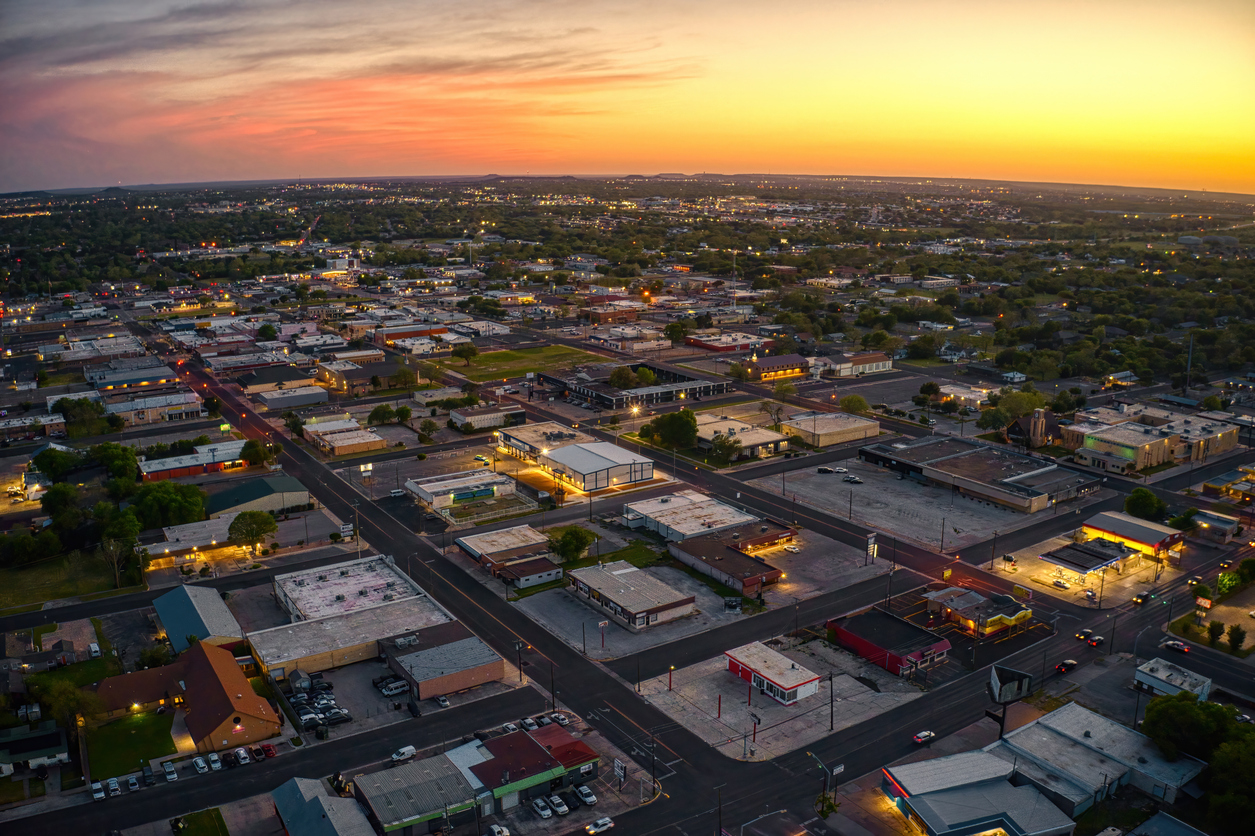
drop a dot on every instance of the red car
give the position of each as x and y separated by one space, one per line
269 750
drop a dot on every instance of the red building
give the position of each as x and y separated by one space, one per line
893 643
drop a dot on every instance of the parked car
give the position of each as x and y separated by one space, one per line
1062 584
268 749
132 784
509 727
200 765
1066 665
839 470
825 470
324 685
600 826
257 753
544 721
541 808
560 719
558 805
115 789
529 724
443 702
150 780
241 755
571 800
215 762
924 736
586 795
497 830
791 549
228 758
98 791
168 768
337 716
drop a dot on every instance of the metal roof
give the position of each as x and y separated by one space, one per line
591 458
414 791
1021 810
948 772
446 659
1131 528
633 589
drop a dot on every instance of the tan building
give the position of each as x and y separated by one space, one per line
1200 439
1127 447
823 429
756 442
222 710
441 660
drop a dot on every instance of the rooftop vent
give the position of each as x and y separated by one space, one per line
340 597
1087 734
322 577
362 593
344 573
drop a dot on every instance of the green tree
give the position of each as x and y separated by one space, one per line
381 414
725 448
623 378
1017 404
119 461
646 377
738 372
213 406
116 556
65 702
254 452
251 527
1201 590
403 414
1231 787
675 331
1215 630
1237 637
295 424
1181 724
165 503
465 352
931 388
570 542
854 404
429 427
1142 503
1211 403
993 419
1185 520
1246 570
376 382
267 333
61 503
783 389
57 464
404 377
677 430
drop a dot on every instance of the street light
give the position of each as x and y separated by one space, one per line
671 671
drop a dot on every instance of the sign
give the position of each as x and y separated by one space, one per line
838 769
1007 685
620 771
871 545
1205 603
225 428
367 468
1020 592
346 528
945 574
531 375
603 623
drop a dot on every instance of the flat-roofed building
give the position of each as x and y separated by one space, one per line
1160 677
1200 439
729 558
683 514
207 458
53 425
416 797
447 490
530 441
1127 447
772 673
965 396
272 493
274 377
1145 536
442 659
197 536
498 549
596 465
284 399
756 442
487 417
176 406
632 596
350 442
977 615
824 429
893 643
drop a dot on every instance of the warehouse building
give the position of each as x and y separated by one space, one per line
983 472
1149 538
596 465
207 458
198 612
285 399
1124 448
498 549
1159 677
305 806
194 537
772 673
443 492
487 417
683 514
443 659
824 429
632 596
592 384
271 493
274 377
728 555
531 441
893 643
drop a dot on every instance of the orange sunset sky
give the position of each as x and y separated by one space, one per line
1148 93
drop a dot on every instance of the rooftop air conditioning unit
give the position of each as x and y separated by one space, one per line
344 573
340 598
362 593
322 577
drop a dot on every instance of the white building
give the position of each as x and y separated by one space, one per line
684 514
1159 677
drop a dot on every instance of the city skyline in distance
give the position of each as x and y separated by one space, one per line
1134 94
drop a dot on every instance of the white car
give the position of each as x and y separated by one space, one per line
201 766
497 830
530 724
560 719
215 762
924 737
558 805
586 795
509 728
241 755
98 791
541 808
600 826
792 550
839 470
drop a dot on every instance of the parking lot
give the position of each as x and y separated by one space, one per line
821 565
389 475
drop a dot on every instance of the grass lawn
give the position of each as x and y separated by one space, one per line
56 577
64 379
926 362
495 365
80 673
71 778
1159 468
261 687
40 632
119 747
1054 451
11 791
205 823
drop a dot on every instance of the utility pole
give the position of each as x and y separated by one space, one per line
357 528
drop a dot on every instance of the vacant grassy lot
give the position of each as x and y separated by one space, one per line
205 823
125 745
496 365
48 580
80 673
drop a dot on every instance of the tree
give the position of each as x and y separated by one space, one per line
783 389
405 377
267 333
466 352
251 527
1017 404
120 462
725 448
1184 521
854 404
403 414
213 406
623 378
738 372
1201 590
773 410
1212 403
61 503
645 377
993 419
1143 503
295 424
931 388
157 656
165 503
254 452
57 464
376 382
1246 570
65 702
571 542
1181 724
676 429
1215 630
115 555
381 414
675 331
1231 787
429 427
1237 637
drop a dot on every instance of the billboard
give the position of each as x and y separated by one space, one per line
1020 592
1008 686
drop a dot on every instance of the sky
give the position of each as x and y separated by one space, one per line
1154 93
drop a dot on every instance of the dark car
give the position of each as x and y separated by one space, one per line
1094 641
1066 665
572 800
230 760
1143 597
1085 634
257 753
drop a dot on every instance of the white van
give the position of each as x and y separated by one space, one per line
94 649
404 754
396 492
395 688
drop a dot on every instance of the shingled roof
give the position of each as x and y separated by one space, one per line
218 690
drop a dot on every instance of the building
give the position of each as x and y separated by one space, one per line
983 472
339 615
530 441
855 365
756 442
781 367
1158 541
388 336
306 808
207 458
531 572
729 558
683 514
156 409
1126 448
419 796
271 493
342 437
1236 486
274 377
633 597
199 613
32 425
487 417
893 643
728 342
595 466
33 746
443 493
108 380
284 399
220 707
592 384
824 429
443 659
970 397
772 673
498 549
977 615
1077 758
968 793
1092 557
1199 440
1159 677
1219 527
